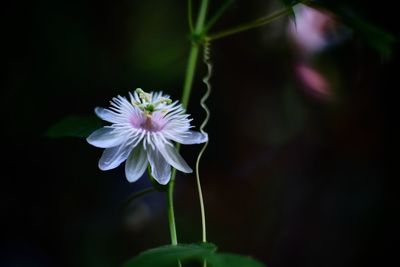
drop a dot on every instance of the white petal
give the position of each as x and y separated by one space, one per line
191 137
173 158
114 156
160 169
104 137
136 164
106 115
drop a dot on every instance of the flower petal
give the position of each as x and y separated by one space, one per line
104 137
160 169
136 164
106 114
191 137
114 156
173 158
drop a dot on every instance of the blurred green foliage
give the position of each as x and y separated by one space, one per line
74 126
168 256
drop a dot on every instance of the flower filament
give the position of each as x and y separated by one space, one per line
146 102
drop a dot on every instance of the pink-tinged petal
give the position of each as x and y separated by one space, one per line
136 164
142 135
173 158
190 138
113 157
315 29
104 137
315 83
106 115
160 169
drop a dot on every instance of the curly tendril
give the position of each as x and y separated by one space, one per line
206 81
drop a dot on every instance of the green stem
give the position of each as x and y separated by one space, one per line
190 70
251 25
218 14
171 214
187 88
193 55
190 16
202 17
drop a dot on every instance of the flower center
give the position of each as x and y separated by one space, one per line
147 104
150 123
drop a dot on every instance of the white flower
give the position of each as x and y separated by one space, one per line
142 132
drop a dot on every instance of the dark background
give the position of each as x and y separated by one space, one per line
288 178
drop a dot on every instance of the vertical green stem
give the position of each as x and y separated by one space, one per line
193 55
202 17
171 214
187 88
190 70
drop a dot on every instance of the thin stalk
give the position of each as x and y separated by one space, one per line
193 55
251 25
171 214
190 16
202 210
206 81
202 16
218 14
190 71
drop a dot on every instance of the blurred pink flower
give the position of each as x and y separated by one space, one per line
314 30
314 82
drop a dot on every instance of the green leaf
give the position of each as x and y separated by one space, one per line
231 260
74 126
168 256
